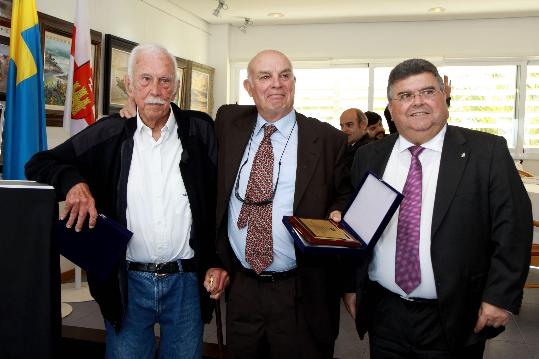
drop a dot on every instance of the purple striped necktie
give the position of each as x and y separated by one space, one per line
407 267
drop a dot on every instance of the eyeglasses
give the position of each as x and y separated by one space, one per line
269 200
246 200
408 97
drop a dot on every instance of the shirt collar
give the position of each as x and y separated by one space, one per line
165 131
436 143
284 124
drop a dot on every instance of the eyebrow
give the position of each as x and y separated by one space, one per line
423 89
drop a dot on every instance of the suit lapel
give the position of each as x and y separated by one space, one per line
241 131
381 155
308 155
455 155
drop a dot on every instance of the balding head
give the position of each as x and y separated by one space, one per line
271 84
353 124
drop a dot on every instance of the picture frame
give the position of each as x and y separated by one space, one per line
200 92
4 56
55 46
183 69
116 54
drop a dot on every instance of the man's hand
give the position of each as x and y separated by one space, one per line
349 300
335 216
130 109
216 281
447 86
491 316
79 203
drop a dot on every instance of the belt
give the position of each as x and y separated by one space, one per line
269 276
181 265
382 290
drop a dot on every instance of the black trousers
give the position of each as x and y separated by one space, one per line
408 329
266 320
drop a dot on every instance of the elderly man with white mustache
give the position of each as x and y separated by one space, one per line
156 174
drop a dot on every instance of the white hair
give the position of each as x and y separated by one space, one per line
149 48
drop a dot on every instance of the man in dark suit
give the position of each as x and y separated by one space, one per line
273 161
354 124
449 269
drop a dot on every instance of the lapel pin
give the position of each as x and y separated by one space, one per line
463 155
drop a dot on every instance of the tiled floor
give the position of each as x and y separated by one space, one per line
519 341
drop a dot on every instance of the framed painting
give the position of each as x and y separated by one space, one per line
4 56
116 55
201 88
182 72
56 46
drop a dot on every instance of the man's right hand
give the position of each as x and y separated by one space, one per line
79 204
130 109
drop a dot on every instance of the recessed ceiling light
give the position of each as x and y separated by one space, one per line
437 10
276 14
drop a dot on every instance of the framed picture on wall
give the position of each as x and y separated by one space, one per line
56 47
116 55
182 71
4 56
201 88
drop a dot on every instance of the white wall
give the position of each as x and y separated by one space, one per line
392 40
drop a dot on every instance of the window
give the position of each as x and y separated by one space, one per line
483 98
531 119
484 95
324 93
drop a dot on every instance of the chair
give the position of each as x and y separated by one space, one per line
523 173
534 259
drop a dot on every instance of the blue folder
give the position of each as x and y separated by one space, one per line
99 250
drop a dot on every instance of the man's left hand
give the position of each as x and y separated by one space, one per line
335 216
491 316
216 281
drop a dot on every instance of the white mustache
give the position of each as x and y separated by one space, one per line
154 101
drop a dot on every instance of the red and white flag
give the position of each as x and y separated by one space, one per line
79 105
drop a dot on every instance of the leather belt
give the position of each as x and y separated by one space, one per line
384 291
269 276
181 265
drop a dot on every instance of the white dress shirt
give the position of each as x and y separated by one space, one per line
382 267
284 256
158 211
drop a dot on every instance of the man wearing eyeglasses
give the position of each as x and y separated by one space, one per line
449 269
273 161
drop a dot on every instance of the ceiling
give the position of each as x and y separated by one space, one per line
339 11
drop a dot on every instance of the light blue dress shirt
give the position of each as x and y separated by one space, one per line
284 257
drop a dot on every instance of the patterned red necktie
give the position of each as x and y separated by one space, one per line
259 242
407 267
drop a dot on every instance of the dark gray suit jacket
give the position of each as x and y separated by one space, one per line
322 185
481 229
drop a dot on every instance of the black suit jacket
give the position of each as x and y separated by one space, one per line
481 229
101 156
322 185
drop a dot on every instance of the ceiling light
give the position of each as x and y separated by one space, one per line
246 22
221 6
276 14
437 10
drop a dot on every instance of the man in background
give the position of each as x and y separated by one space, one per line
275 162
354 125
375 129
449 269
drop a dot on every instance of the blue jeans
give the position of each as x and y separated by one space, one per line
171 300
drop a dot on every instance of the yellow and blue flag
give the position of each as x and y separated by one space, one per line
24 126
